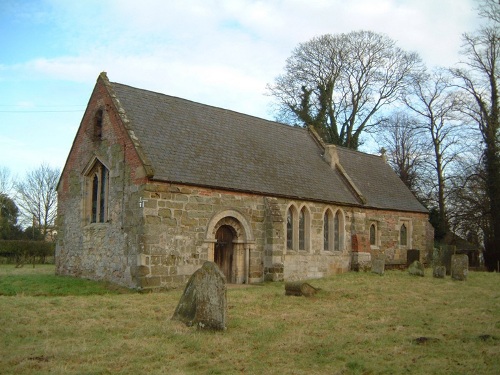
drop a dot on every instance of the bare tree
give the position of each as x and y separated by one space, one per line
479 80
435 101
37 197
403 142
339 82
490 9
468 203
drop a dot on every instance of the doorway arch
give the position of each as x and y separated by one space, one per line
229 240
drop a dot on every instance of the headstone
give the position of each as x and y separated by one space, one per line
204 302
411 256
378 266
459 266
416 269
439 272
361 261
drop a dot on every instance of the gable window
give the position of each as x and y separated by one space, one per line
98 125
373 235
403 235
98 193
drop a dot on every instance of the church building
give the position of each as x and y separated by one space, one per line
155 185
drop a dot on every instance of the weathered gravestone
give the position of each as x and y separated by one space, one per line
378 266
439 272
412 255
416 269
459 266
204 302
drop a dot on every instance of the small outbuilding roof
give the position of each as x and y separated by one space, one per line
196 144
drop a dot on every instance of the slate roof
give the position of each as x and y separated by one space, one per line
196 144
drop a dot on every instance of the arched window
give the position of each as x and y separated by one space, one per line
98 193
289 229
403 235
297 228
326 232
336 230
302 229
373 235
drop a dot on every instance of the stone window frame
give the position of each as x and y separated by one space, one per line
407 223
96 195
336 230
339 238
304 243
293 240
375 244
328 230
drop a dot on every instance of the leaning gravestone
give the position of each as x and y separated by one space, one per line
459 266
378 266
203 302
416 269
439 272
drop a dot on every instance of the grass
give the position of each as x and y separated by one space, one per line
360 323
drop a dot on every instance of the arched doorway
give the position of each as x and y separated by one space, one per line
223 252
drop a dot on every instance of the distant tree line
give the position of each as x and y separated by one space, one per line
28 206
438 127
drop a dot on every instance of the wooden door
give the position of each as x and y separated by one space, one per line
223 255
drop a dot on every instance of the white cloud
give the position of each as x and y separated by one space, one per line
221 53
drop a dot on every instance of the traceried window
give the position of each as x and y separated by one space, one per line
403 235
373 235
98 193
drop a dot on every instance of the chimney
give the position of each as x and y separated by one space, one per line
331 156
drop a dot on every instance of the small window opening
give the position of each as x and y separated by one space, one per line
98 125
373 235
403 235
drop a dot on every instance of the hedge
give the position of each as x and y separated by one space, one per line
23 251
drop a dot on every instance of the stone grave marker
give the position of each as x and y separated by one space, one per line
378 266
412 255
459 266
439 272
416 269
204 303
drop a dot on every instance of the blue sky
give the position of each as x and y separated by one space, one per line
221 53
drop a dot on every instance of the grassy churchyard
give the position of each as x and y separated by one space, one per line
359 323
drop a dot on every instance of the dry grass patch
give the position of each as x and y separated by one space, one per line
357 324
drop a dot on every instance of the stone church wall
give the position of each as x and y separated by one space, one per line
157 234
